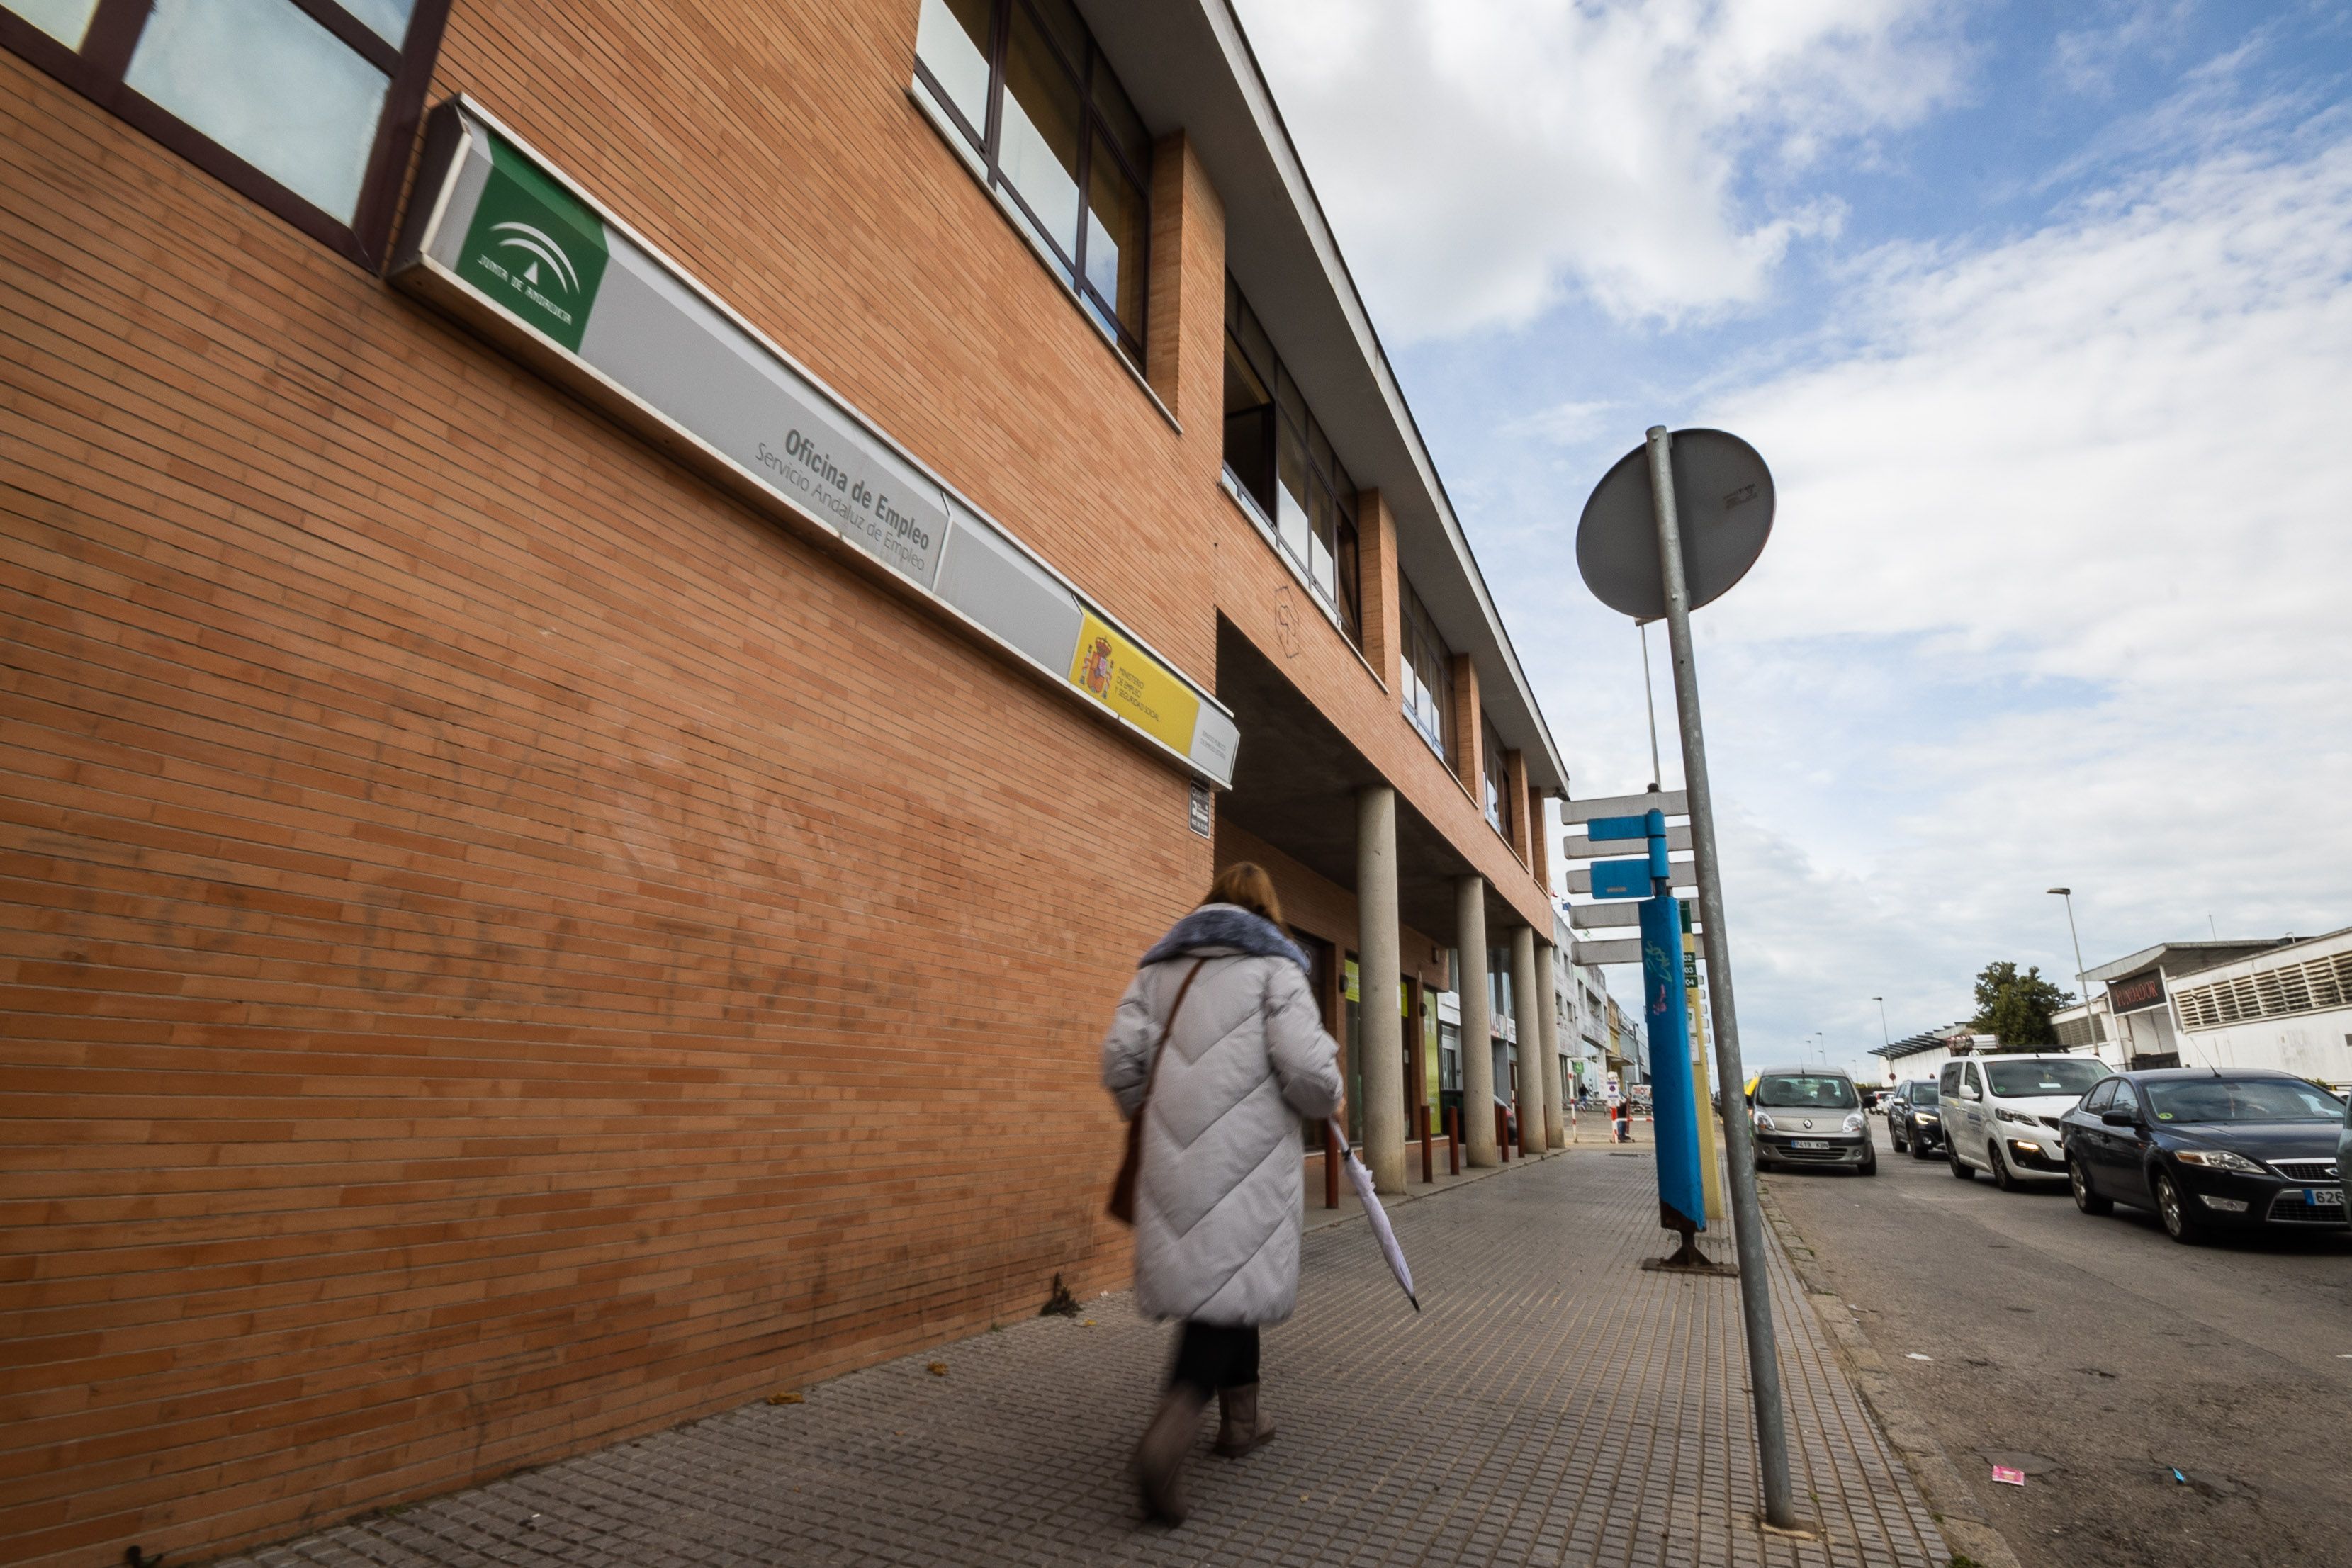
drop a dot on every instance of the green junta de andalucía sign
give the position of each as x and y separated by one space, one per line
499 237
534 247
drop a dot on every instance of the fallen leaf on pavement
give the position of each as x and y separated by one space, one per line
939 1369
793 1398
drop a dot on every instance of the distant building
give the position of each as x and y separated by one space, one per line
2136 1004
2288 1005
1921 1055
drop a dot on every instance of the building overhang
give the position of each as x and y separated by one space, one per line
1296 783
2183 957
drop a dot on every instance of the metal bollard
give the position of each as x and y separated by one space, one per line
1503 1134
1330 1168
1453 1140
1428 1166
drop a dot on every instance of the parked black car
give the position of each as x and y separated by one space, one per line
2208 1150
1914 1124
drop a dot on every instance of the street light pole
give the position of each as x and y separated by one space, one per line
2090 1014
1747 1212
1884 1036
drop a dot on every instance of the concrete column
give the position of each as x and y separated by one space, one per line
1477 1028
1379 969
1555 1100
1528 1009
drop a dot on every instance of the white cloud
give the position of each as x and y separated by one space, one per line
2057 594
2086 59
2112 451
1484 161
1564 423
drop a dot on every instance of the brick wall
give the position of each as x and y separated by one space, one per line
502 947
505 947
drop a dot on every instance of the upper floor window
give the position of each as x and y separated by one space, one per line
1280 458
307 106
1427 672
1052 128
1497 770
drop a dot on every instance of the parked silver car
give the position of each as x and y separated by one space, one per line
1809 1116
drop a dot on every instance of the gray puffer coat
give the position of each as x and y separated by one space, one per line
1218 1198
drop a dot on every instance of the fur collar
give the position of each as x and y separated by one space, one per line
1226 925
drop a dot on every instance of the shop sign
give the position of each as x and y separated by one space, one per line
1204 811
504 241
2137 993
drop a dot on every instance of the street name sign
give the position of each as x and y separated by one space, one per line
1578 880
1679 837
1673 802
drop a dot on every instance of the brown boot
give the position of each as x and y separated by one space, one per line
1167 1444
1240 1428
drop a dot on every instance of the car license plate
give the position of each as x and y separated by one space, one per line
2324 1196
1825 1143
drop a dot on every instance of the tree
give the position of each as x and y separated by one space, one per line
2016 1009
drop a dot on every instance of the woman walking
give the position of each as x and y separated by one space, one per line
1219 1046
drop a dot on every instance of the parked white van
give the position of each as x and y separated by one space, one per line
2001 1114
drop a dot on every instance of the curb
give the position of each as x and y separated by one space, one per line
1965 1530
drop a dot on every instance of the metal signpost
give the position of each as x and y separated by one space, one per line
1635 556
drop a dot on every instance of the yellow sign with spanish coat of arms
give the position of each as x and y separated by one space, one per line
1134 685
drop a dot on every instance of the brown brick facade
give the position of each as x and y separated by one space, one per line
503 948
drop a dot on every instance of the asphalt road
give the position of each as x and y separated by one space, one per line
2107 1354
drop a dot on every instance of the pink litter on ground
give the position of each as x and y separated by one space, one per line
2003 1473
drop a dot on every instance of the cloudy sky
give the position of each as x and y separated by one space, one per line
2042 316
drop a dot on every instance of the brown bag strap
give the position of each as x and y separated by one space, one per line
1152 1075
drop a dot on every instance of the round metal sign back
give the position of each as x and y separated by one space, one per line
1722 500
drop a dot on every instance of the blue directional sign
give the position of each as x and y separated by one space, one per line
1620 879
1618 827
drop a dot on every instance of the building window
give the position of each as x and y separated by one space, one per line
307 106
1025 85
1498 777
1427 672
1280 459
1501 1001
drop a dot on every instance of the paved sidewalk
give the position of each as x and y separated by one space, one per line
1554 1405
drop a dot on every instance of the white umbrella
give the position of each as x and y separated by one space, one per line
1363 1179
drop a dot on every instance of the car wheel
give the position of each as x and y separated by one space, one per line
1959 1167
2001 1177
1893 1138
2086 1200
1869 1165
2173 1209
